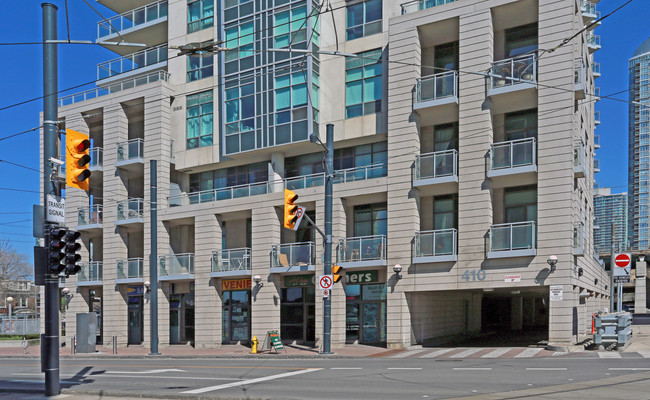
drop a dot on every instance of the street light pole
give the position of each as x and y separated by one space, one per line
327 264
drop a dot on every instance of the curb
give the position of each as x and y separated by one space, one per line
110 393
564 349
162 357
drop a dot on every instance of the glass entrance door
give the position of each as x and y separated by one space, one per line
174 325
236 316
135 320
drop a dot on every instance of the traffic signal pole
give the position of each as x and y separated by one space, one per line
50 352
327 264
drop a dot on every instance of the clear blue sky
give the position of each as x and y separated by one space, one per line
22 80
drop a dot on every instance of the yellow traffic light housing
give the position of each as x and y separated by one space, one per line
77 148
290 209
337 270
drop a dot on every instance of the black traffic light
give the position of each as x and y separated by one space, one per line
72 257
56 250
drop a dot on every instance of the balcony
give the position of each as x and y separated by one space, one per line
293 257
435 168
436 246
579 79
362 251
595 69
146 24
589 12
304 181
231 262
579 161
436 90
130 153
175 267
513 240
513 74
96 160
130 270
90 218
360 173
597 117
226 193
596 141
578 239
596 93
130 212
141 62
596 165
513 157
417 5
593 42
113 88
90 274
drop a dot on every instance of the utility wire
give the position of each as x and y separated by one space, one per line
20 133
19 165
20 190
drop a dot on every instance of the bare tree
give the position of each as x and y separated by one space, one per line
14 267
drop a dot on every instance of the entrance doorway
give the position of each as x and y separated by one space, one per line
181 318
136 317
236 316
298 314
365 313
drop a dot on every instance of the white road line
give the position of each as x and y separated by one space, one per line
546 369
436 353
346 368
472 369
406 368
608 354
466 353
406 353
558 353
250 381
497 353
198 378
68 382
528 353
628 369
644 353
153 371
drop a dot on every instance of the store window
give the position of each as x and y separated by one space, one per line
200 15
365 308
199 120
363 84
363 19
199 66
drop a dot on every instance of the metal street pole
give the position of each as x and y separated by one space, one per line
611 271
327 264
153 271
50 360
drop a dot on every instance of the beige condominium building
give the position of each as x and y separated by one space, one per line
463 153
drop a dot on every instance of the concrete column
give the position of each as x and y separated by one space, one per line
276 172
640 288
516 313
563 318
207 301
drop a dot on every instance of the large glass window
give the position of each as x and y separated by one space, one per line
520 204
360 156
199 66
290 92
240 39
363 84
445 212
520 125
445 56
521 39
445 137
370 220
240 118
228 177
199 120
290 27
363 19
200 15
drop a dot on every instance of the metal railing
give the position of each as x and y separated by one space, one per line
441 242
593 40
514 153
511 71
596 141
113 88
595 68
417 5
436 165
131 62
437 86
597 117
20 326
130 149
578 155
132 18
176 264
231 260
305 181
96 157
130 268
362 248
293 254
587 7
596 165
513 236
578 235
90 215
131 208
579 76
91 271
360 173
597 93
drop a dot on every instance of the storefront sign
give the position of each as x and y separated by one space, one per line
557 293
272 339
374 292
299 280
361 277
236 284
135 290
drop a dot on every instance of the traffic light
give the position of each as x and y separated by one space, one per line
337 270
290 209
71 253
56 250
77 159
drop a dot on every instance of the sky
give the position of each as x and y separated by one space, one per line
22 80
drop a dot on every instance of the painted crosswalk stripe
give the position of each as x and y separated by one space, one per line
407 353
608 354
546 369
497 353
528 353
466 353
558 353
644 353
436 353
472 369
250 381
406 368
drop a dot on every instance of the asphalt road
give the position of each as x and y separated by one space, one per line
363 378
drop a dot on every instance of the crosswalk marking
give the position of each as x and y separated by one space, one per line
608 354
436 353
407 353
497 353
558 353
466 353
528 353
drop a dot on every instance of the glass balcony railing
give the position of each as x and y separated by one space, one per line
593 40
96 157
595 68
597 117
512 71
132 18
579 155
231 260
91 272
579 76
113 88
417 5
130 268
513 236
176 264
514 153
90 215
132 62
227 193
438 164
578 235
293 255
130 209
360 173
596 165
436 87
305 181
441 242
589 9
596 141
130 149
362 248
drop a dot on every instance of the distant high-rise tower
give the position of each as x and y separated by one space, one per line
639 140
610 208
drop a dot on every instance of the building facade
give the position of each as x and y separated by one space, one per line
468 180
610 208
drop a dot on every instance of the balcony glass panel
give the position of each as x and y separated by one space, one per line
436 87
436 165
305 181
132 62
417 5
363 248
512 71
293 254
176 264
131 208
360 173
578 231
231 260
514 153
96 157
90 271
435 243
130 268
513 236
90 215
132 18
130 149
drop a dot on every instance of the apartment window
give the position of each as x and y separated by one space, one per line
363 84
290 92
360 156
229 177
234 9
290 27
521 39
363 19
445 57
199 66
520 204
199 120
445 137
445 212
200 15
240 40
370 220
520 125
240 118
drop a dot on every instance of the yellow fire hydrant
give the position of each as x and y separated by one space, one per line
254 351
